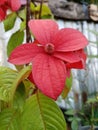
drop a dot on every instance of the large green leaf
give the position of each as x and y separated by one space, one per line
19 97
42 113
15 40
9 21
9 120
9 81
7 77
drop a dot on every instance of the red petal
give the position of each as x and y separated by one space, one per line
2 14
49 75
68 56
43 30
2 2
24 53
79 64
31 78
76 65
69 40
15 5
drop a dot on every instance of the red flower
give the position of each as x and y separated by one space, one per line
51 57
8 4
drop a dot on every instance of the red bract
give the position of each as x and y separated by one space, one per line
14 5
8 4
56 52
3 9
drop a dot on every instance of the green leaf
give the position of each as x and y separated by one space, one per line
23 26
32 7
9 120
19 67
69 82
19 97
7 77
94 32
67 87
42 113
22 75
10 21
70 112
92 56
10 80
74 125
45 10
15 40
22 14
70 119
92 100
47 16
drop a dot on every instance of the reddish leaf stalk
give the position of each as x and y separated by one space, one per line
28 36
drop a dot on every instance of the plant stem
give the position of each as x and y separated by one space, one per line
92 116
40 11
28 36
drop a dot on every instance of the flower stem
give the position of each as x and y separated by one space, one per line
28 36
92 116
40 11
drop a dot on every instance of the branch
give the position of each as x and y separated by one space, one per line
40 11
28 36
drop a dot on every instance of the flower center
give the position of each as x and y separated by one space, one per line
49 48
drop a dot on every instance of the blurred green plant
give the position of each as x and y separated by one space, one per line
88 115
86 1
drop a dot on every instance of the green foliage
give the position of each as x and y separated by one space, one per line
73 118
36 114
92 100
94 32
86 1
9 81
45 12
42 113
10 21
19 97
7 77
15 40
69 82
74 124
9 119
22 14
70 112
87 115
67 87
32 7
23 26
